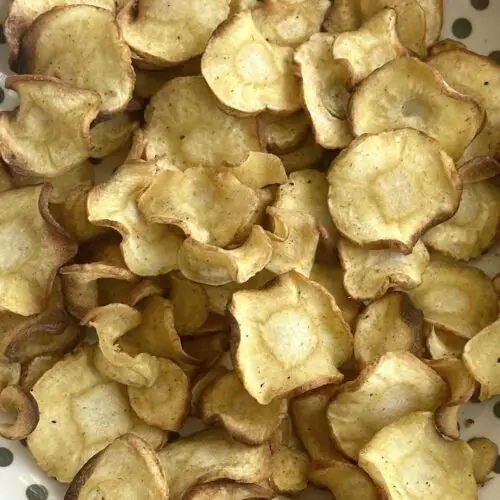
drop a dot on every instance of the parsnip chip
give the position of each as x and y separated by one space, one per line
283 134
345 480
228 490
215 266
407 92
17 401
128 467
308 155
110 135
79 406
260 170
326 90
391 323
206 349
166 34
396 385
376 187
31 147
368 274
34 369
287 23
148 249
293 330
443 344
227 402
445 45
246 72
174 198
112 322
343 15
485 457
201 383
58 44
371 46
156 438
186 128
425 467
481 355
294 240
474 227
459 299
166 403
211 455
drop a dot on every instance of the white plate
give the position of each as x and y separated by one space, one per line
21 479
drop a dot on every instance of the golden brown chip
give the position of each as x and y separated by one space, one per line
485 457
343 15
445 45
308 155
391 323
228 490
288 338
443 344
246 72
110 135
283 134
16 401
456 298
376 189
396 385
206 349
425 467
34 369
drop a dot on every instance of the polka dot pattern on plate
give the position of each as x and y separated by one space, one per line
462 28
37 492
6 457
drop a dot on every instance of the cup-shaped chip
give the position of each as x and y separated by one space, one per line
474 227
456 298
260 170
485 457
228 490
170 33
148 249
228 403
391 323
15 400
371 46
377 188
59 44
79 406
128 467
309 154
425 467
288 338
443 344
210 455
247 73
481 355
111 134
326 88
287 23
283 134
30 146
394 386
181 199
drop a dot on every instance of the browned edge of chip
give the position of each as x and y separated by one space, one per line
15 399
210 489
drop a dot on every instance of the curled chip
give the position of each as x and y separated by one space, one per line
283 134
418 98
260 170
481 355
148 249
227 402
395 463
110 135
459 299
377 185
368 274
28 145
391 323
210 455
288 338
33 370
174 198
228 490
16 401
166 403
326 90
56 45
183 118
443 344
77 405
308 155
343 478
112 322
396 385
246 72
166 34
35 247
473 229
126 467
485 457
371 46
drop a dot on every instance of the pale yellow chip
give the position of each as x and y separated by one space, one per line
443 344
81 45
309 154
247 73
228 490
391 323
445 45
201 383
396 385
377 188
34 369
149 249
260 170
407 92
210 455
459 299
425 467
283 134
326 90
30 146
110 135
485 457
374 44
288 338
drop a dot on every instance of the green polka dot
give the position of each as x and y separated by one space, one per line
496 410
497 466
37 492
461 28
480 4
6 457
